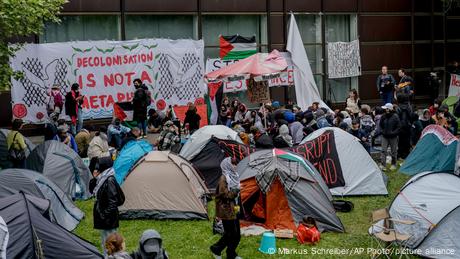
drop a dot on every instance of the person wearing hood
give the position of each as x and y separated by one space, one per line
416 129
283 140
227 192
108 197
426 119
150 246
321 120
99 145
295 127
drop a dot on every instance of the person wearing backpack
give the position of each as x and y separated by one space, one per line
108 195
16 145
141 101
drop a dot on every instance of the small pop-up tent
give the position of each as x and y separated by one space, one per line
129 155
4 162
342 161
427 198
33 235
164 186
279 188
209 159
63 166
435 151
64 212
205 155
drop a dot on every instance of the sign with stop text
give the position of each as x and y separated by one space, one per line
172 70
454 89
322 153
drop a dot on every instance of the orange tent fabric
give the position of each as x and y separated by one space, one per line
273 207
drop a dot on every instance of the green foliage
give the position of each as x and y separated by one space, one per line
21 18
191 239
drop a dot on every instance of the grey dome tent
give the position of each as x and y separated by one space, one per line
163 185
4 236
33 235
279 188
445 236
63 166
203 151
4 161
427 198
64 212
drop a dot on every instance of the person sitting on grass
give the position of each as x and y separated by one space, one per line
116 133
66 138
115 246
150 246
108 197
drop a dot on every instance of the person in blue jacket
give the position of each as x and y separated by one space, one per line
64 137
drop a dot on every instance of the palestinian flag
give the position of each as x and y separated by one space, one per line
237 47
123 111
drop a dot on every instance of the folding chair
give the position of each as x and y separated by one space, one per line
386 237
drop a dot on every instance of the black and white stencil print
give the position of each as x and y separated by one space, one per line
33 70
186 84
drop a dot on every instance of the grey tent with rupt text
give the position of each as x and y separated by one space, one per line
63 166
33 235
64 212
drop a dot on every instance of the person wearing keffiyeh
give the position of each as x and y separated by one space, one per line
227 192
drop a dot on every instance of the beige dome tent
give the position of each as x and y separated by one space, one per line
163 185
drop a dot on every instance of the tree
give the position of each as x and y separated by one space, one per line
21 18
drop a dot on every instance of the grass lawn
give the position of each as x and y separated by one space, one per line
191 239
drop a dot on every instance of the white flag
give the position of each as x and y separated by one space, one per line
305 87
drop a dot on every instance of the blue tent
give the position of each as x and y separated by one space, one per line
129 155
434 152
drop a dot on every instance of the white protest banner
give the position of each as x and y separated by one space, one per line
343 59
285 78
454 88
171 69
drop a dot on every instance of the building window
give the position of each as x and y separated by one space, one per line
340 28
83 27
161 26
244 25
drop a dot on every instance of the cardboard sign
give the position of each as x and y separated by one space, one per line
258 92
322 153
202 110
